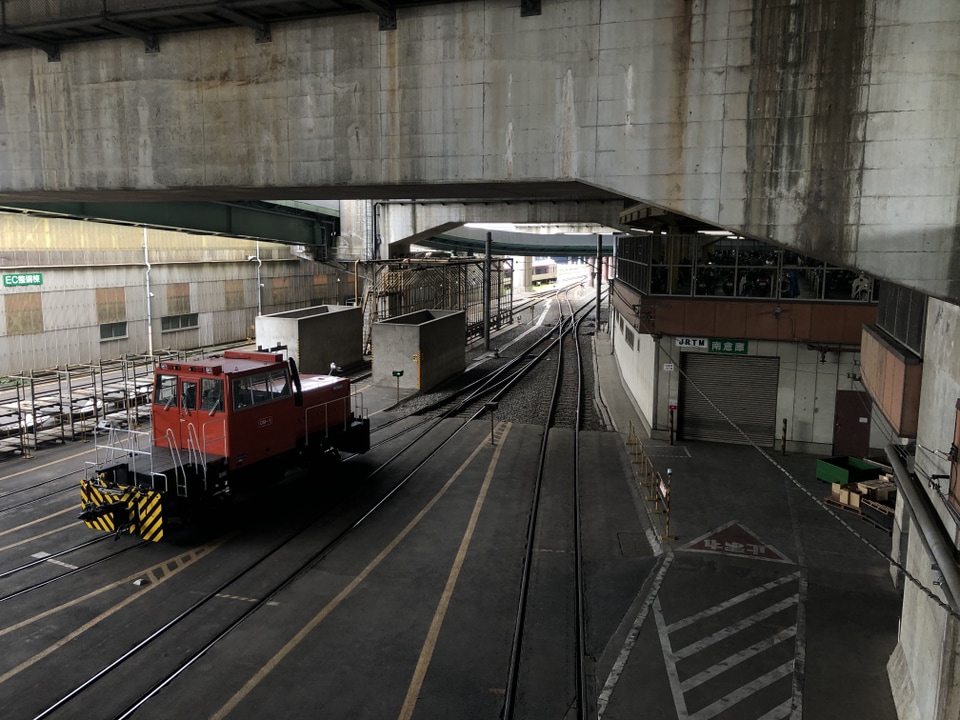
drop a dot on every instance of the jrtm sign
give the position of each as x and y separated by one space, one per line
18 279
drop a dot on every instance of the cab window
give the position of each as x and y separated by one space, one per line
211 395
260 388
165 390
188 394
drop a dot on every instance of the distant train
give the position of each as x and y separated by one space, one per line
218 424
543 272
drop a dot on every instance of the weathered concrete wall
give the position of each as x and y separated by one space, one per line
829 126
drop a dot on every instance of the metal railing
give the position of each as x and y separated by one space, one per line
653 486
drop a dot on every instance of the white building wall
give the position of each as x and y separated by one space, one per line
806 394
636 356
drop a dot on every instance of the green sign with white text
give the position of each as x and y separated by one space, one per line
727 346
19 279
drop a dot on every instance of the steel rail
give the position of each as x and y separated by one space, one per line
513 670
72 571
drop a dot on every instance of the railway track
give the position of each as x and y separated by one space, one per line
432 435
526 686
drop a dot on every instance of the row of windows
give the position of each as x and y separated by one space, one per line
118 330
187 321
211 393
246 391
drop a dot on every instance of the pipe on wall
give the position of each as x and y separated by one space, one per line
931 532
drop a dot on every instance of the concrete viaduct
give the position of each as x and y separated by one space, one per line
829 127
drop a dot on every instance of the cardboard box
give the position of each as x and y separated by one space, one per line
844 496
854 500
835 491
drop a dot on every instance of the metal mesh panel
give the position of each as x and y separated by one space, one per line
406 287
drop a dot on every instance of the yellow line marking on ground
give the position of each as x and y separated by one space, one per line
343 594
195 555
72 508
430 643
72 525
52 462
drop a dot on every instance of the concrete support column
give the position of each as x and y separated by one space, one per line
487 266
599 270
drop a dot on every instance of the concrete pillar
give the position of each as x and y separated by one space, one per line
487 265
599 271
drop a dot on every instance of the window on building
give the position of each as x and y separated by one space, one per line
171 323
113 331
902 314
24 313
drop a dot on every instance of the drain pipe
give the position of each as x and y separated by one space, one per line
931 532
146 259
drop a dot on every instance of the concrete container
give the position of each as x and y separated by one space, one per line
315 336
428 346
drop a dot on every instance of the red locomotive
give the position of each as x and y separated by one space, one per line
218 424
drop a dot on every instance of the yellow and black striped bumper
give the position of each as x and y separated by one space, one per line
122 509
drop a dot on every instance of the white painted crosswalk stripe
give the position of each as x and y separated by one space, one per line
737 658
780 712
768 664
743 692
709 612
736 627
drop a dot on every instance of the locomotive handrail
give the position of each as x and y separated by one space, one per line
359 409
177 462
194 451
198 441
117 447
326 416
166 480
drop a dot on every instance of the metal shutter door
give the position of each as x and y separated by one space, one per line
744 388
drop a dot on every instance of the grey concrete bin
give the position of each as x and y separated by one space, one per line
428 346
315 336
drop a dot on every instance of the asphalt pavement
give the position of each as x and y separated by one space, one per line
765 602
